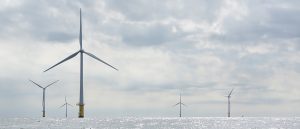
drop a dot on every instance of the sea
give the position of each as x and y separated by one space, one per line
152 123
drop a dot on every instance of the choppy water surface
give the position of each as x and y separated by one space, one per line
153 123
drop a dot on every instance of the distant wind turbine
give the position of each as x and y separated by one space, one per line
44 92
179 103
229 95
66 104
81 51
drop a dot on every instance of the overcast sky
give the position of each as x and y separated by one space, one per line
201 48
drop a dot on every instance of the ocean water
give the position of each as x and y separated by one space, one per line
153 123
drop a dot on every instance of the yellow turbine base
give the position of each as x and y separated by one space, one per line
81 111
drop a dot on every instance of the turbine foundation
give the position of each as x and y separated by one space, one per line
81 111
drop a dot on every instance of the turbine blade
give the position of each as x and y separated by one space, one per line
36 84
70 105
183 104
62 106
230 92
80 33
93 56
52 83
71 56
176 104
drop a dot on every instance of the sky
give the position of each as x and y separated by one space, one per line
199 48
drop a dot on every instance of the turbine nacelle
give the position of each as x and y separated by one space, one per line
66 104
81 51
179 103
229 95
75 54
44 90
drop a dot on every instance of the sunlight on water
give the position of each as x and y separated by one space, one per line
153 123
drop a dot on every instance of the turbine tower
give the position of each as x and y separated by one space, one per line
229 95
81 51
44 92
179 103
66 104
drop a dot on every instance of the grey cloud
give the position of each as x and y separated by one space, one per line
143 34
184 88
12 88
209 102
42 20
61 36
143 10
136 35
263 21
261 100
202 61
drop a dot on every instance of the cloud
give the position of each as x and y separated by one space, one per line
263 21
199 48
142 10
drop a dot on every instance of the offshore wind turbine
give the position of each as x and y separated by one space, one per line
229 95
179 103
81 51
44 92
66 104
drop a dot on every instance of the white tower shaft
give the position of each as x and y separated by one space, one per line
228 106
81 51
180 107
81 103
229 95
44 104
44 95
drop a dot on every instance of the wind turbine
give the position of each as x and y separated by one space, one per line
229 95
81 51
44 92
179 103
66 104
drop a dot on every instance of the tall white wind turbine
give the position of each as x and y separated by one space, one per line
81 51
229 95
66 104
179 103
44 92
